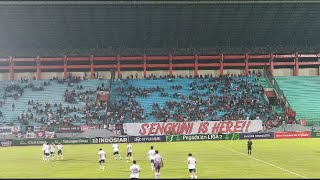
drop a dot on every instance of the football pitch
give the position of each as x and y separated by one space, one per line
291 158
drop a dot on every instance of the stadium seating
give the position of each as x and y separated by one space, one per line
155 97
303 95
53 93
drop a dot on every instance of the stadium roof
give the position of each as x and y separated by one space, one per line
41 27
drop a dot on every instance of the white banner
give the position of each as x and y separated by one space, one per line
37 128
49 135
30 135
9 130
195 127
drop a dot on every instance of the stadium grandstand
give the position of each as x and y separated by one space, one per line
98 68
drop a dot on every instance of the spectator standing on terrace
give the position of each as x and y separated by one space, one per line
13 106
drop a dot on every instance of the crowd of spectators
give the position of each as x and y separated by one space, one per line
56 114
227 97
16 90
169 78
132 92
86 108
129 109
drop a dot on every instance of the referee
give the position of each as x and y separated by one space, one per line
249 144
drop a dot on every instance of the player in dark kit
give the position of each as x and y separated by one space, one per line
249 144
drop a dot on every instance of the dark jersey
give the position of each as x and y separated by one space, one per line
249 144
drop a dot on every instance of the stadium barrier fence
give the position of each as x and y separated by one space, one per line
315 134
29 142
5 143
162 138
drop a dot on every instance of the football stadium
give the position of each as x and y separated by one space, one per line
160 89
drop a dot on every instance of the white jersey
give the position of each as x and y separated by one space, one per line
46 149
192 163
129 148
135 170
157 158
51 148
102 155
151 154
115 147
59 146
43 146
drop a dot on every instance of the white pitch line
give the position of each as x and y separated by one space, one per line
265 162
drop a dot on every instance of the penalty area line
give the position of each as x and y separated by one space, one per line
264 162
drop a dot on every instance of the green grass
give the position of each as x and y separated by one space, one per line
215 159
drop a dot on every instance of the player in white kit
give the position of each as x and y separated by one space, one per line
151 154
129 152
116 151
46 152
158 164
192 166
51 149
134 170
102 159
43 147
60 154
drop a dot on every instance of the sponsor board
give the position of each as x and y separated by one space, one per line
109 140
28 142
196 127
5 143
268 135
147 138
74 141
195 137
289 135
315 134
232 136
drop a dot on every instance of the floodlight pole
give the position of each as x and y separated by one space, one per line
38 68
221 64
170 64
296 64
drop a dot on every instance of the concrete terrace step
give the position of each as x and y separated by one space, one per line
303 95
